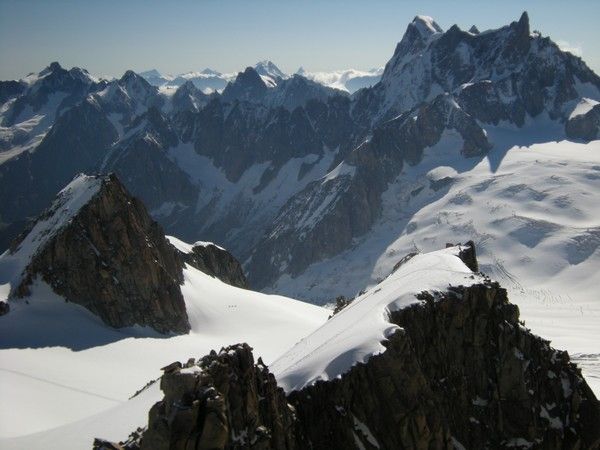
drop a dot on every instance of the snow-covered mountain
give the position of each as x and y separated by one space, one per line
30 107
318 191
270 73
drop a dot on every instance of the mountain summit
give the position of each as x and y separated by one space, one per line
96 246
270 72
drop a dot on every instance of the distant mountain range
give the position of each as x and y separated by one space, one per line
209 80
288 173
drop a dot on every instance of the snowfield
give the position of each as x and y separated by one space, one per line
68 377
355 333
533 211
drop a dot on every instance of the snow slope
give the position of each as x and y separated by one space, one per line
65 377
533 212
355 333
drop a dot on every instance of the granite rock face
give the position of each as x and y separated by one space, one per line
113 259
216 262
585 127
463 370
224 402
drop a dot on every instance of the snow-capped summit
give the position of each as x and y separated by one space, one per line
270 73
55 78
67 204
426 26
502 65
77 248
129 96
35 102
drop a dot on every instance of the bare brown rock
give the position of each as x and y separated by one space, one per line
228 402
463 370
218 263
114 260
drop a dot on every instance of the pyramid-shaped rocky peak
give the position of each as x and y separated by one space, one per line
128 77
249 77
98 247
134 83
269 69
426 26
523 23
417 34
188 98
188 87
52 67
248 85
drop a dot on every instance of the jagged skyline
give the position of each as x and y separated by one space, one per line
231 35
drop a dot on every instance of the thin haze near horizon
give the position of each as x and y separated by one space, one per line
109 37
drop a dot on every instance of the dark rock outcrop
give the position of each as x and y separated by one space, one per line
248 86
463 371
468 255
216 262
10 89
585 127
226 402
113 259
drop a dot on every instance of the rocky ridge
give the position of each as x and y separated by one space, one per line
217 262
461 371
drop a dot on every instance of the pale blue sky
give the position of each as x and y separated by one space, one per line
109 36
